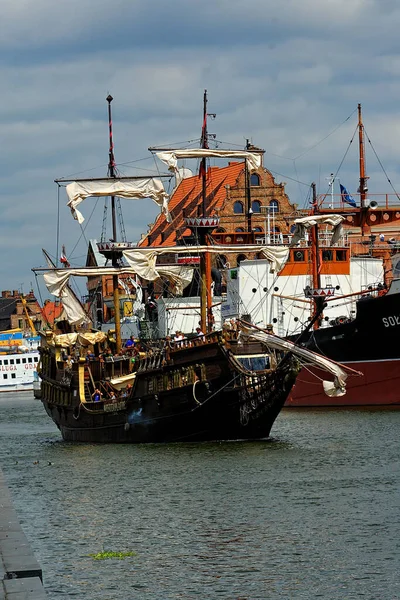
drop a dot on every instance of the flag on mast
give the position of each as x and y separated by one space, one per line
346 197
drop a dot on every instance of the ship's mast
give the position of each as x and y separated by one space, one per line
202 231
363 189
114 256
315 263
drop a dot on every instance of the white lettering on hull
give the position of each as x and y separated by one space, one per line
391 321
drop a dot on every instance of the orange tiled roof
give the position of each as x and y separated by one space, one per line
188 196
51 311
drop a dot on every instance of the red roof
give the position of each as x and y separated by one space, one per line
51 311
188 196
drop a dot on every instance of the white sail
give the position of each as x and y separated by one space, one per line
171 157
145 258
337 387
306 222
132 189
57 281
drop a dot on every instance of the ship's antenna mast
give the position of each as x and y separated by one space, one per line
114 259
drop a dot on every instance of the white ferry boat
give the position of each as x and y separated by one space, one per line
18 362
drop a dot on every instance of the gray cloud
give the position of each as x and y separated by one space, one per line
284 75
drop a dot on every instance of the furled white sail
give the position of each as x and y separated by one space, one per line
337 387
132 189
145 258
171 157
306 222
57 281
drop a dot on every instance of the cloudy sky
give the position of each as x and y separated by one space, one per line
287 75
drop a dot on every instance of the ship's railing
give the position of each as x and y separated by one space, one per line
335 201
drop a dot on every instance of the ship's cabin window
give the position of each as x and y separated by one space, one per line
30 359
11 361
23 361
274 205
36 359
327 255
5 376
13 375
256 206
5 361
254 180
18 361
340 255
238 208
299 256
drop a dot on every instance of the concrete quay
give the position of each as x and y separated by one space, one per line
20 573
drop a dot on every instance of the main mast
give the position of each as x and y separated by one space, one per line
115 255
201 227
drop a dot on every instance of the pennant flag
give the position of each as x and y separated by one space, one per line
346 196
64 259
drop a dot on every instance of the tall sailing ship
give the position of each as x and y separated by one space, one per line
217 385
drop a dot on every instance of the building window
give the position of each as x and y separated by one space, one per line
274 204
256 206
238 208
221 261
220 230
239 229
240 258
257 229
254 180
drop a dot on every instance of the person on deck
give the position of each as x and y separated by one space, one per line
96 395
129 343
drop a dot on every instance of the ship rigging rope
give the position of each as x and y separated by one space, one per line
381 165
340 165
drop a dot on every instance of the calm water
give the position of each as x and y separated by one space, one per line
313 514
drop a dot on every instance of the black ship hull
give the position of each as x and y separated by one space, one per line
369 344
201 393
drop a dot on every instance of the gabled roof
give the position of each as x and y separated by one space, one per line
188 196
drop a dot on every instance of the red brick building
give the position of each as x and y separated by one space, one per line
260 211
